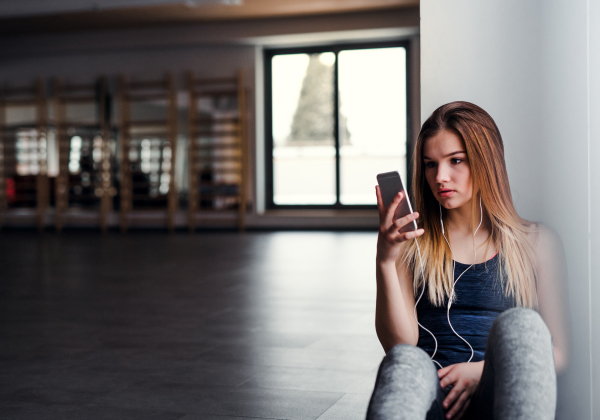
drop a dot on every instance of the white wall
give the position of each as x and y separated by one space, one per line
486 52
524 61
563 143
593 72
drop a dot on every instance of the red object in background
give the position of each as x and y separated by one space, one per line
11 191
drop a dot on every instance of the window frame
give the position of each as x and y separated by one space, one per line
336 48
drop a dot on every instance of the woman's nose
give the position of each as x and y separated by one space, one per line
443 174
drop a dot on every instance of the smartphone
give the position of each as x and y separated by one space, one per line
390 185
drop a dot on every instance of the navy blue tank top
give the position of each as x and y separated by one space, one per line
479 300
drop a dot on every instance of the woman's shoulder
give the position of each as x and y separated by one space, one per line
542 237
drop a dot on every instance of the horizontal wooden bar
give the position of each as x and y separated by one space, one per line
210 159
162 132
205 210
147 123
214 81
216 146
77 87
18 90
18 102
68 100
143 197
83 199
215 120
204 128
215 92
147 84
77 124
213 195
146 97
215 135
218 184
16 127
218 170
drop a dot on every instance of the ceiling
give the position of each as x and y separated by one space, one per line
23 16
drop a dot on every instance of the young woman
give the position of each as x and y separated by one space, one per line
459 300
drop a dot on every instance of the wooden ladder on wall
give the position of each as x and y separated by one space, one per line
161 134
217 150
19 97
100 186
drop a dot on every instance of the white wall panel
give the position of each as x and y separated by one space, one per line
525 63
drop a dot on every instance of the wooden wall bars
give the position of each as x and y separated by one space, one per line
148 134
91 160
85 151
24 150
217 147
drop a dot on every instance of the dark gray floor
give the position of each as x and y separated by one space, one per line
207 326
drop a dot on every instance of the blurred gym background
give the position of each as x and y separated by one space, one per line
187 220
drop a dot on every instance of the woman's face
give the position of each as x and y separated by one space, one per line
447 169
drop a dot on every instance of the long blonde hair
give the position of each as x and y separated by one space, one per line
508 231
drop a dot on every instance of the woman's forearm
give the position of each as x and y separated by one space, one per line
394 320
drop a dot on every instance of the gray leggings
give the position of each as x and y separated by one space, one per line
518 380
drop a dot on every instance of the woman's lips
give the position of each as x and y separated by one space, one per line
445 193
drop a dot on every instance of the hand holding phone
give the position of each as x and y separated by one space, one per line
390 184
396 218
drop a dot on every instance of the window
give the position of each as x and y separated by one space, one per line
336 116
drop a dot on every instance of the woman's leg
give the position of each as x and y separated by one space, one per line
519 378
407 386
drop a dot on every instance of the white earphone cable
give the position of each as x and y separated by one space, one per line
452 294
453 284
417 302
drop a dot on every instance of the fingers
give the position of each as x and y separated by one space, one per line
380 206
396 237
414 234
389 228
450 377
458 406
444 371
402 222
389 216
453 396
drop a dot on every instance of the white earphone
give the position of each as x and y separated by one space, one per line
453 284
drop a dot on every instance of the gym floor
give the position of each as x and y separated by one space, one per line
211 325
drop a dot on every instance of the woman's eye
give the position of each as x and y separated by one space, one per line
430 164
456 160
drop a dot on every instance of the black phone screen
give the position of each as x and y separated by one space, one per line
390 184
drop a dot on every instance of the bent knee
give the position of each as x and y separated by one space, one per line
407 350
410 355
521 324
406 386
